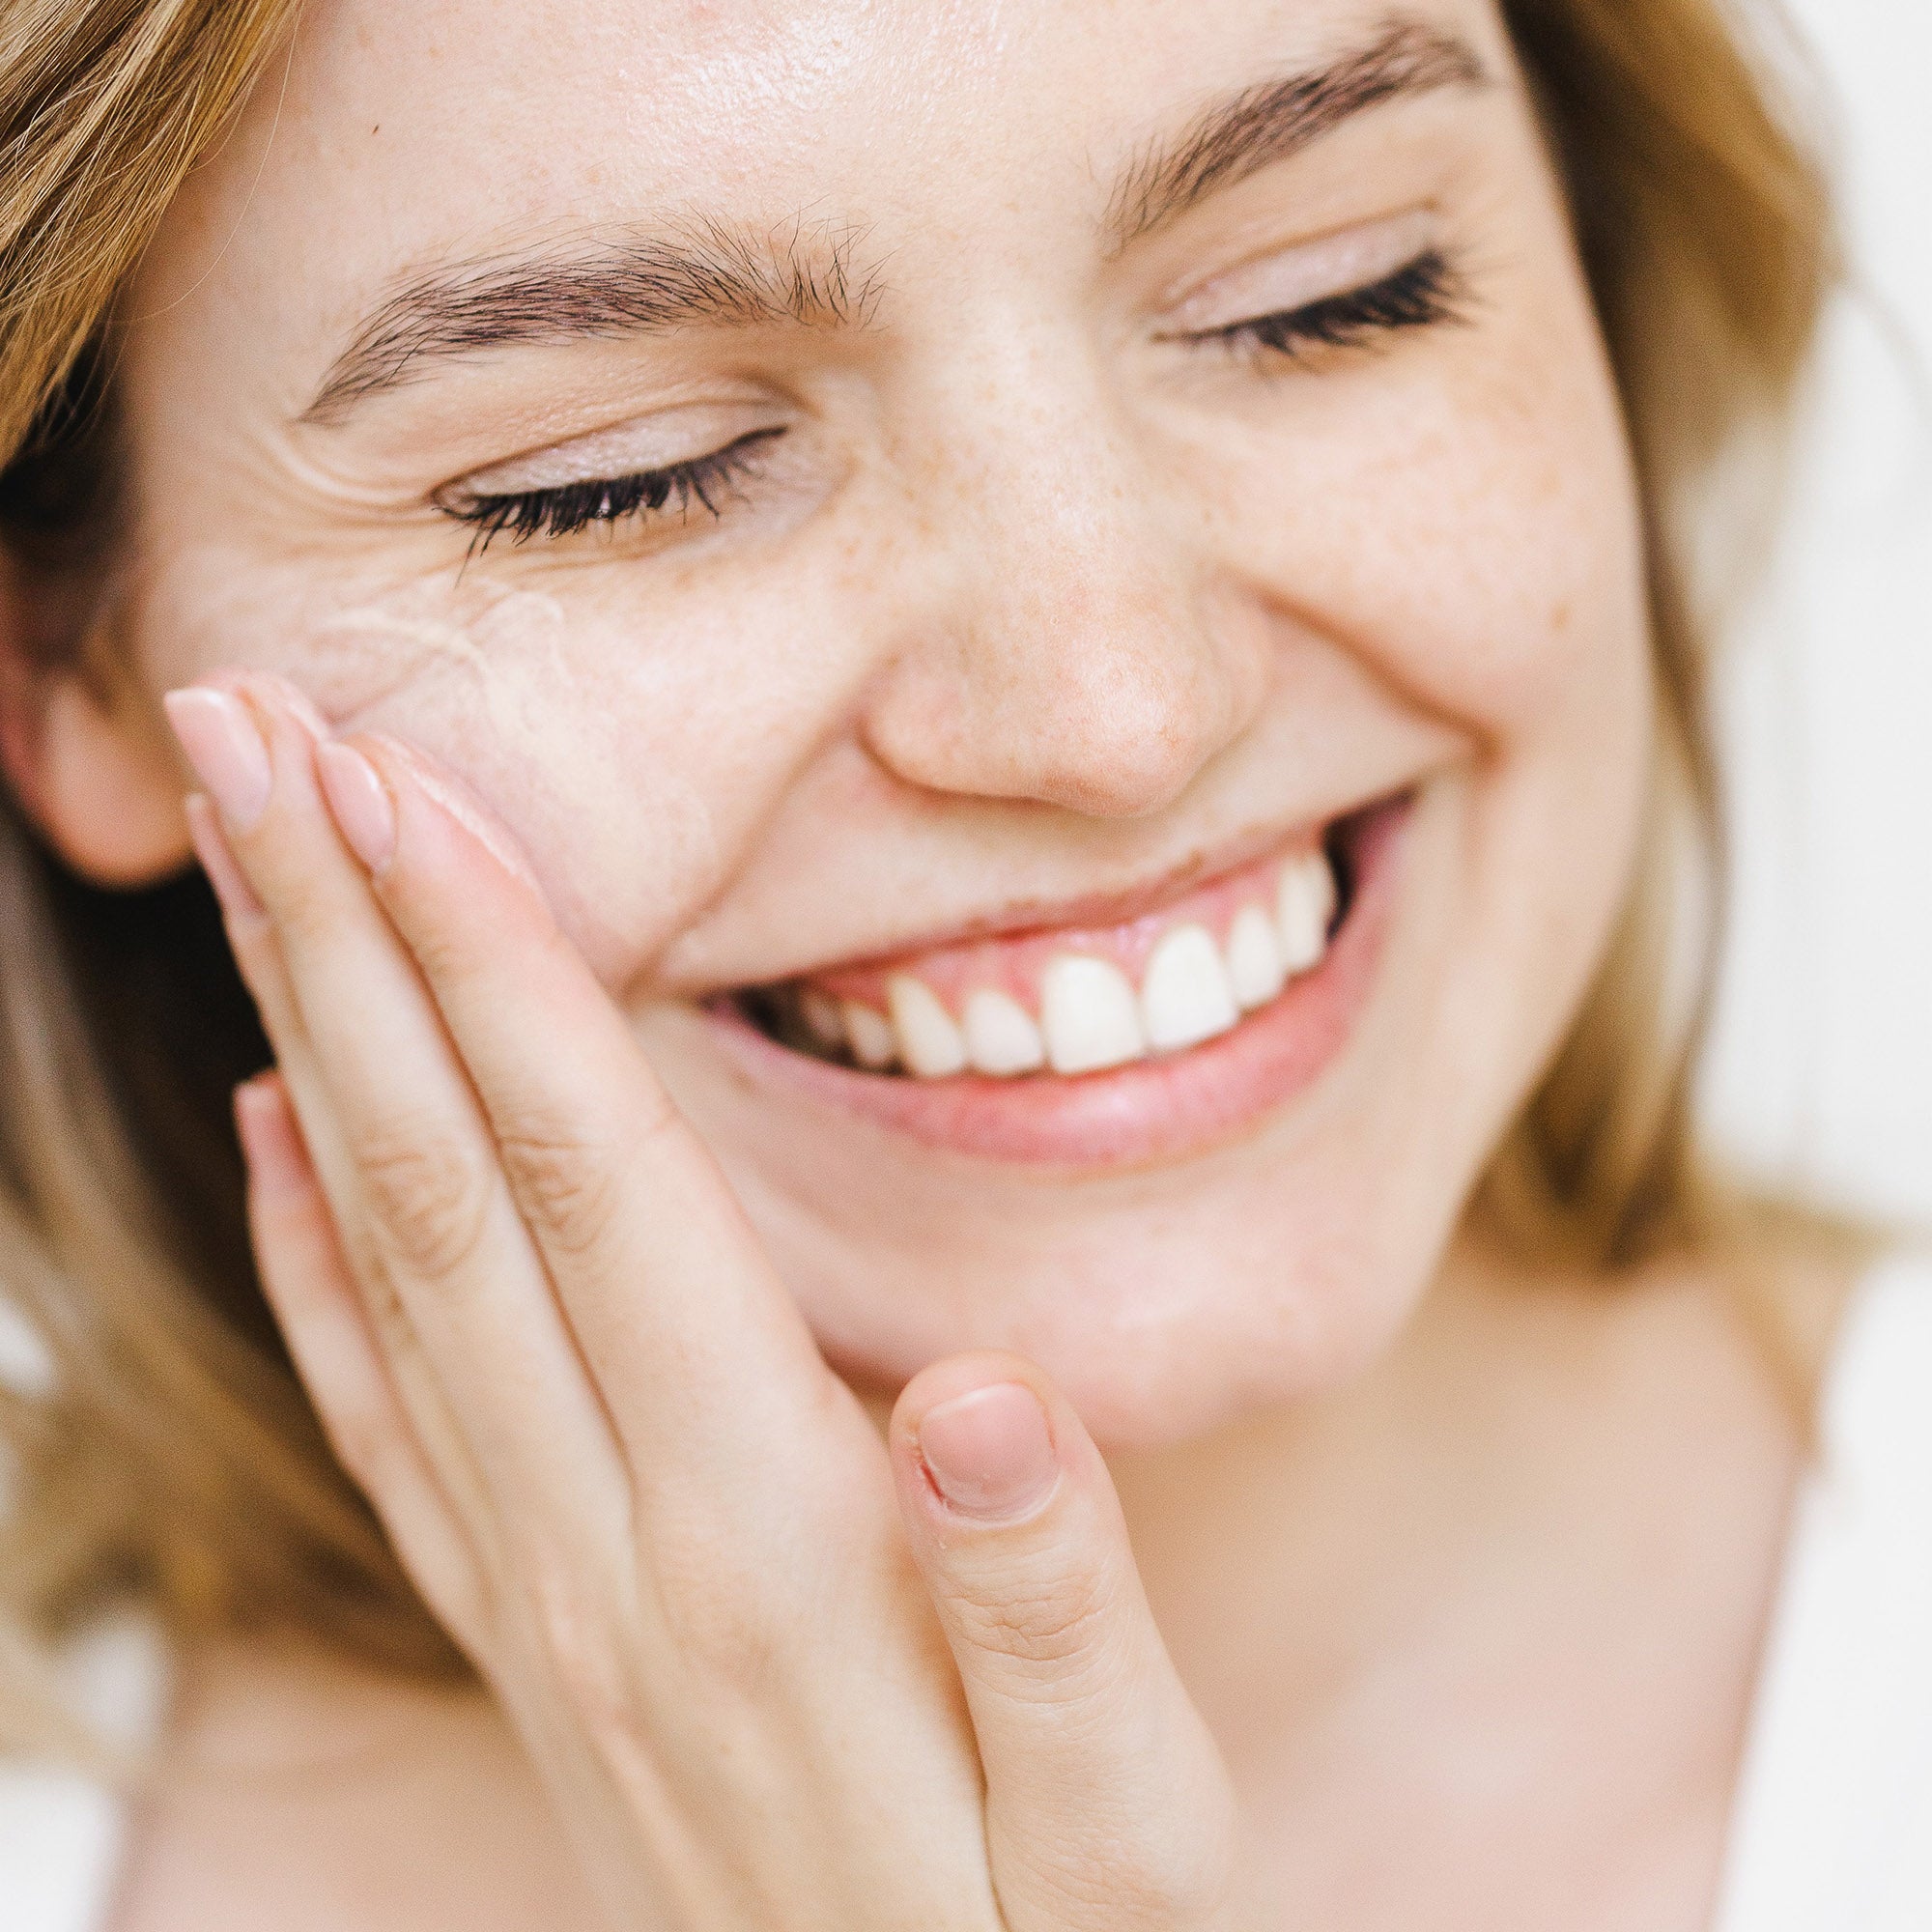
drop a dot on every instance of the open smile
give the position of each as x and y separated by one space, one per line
1099 1045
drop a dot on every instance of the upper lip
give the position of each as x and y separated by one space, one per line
1024 917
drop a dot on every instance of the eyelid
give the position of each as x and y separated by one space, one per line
1308 271
664 439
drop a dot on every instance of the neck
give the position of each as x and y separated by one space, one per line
1393 1528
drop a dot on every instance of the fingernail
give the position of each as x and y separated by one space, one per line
255 1104
225 749
437 784
989 1453
295 701
366 814
217 859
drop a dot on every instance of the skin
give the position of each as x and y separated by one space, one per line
1373 1615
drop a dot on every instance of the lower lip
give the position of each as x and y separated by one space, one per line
1152 1110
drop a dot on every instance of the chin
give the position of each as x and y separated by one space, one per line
1146 1378
1164 1305
1239 1209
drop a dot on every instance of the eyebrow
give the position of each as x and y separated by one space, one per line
709 273
1268 123
717 274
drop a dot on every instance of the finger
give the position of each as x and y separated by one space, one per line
257 952
1107 1804
308 1285
665 1284
423 1190
251 937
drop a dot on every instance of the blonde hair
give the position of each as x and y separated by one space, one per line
173 1453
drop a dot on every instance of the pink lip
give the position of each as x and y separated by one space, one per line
1150 1111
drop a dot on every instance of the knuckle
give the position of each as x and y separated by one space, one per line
383 1298
717 1615
311 910
584 1664
428 1195
361 1438
1047 1625
445 954
307 919
1132 1886
565 1186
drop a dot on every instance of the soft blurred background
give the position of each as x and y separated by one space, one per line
1820 1070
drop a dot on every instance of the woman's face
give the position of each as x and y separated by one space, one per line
959 515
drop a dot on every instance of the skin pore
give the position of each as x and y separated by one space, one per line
1043 587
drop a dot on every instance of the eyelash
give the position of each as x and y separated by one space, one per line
569 507
1419 294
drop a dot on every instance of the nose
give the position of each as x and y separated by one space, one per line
1072 643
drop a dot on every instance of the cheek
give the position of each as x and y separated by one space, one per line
1497 586
1477 544
607 757
1462 515
634 753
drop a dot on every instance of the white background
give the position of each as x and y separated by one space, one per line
1820 1072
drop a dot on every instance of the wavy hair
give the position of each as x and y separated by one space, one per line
169 1450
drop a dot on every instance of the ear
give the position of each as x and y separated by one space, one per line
89 757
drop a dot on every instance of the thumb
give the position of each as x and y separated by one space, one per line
1107 1804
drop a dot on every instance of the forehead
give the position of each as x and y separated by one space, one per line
382 138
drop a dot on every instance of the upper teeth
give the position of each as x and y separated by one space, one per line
1304 906
1255 968
1091 1017
930 1043
1187 994
1089 1014
872 1036
1001 1037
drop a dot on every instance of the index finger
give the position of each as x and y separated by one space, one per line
661 1275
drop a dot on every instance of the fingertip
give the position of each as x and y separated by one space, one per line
233 893
981 1439
989 1454
271 1141
218 737
405 769
359 802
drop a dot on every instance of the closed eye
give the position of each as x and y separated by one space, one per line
645 495
1418 295
1422 293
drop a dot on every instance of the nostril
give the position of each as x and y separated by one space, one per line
1111 711
1111 752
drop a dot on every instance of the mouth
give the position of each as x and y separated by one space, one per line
1099 1043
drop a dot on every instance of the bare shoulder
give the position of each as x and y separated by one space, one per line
1727 1343
1793 1283
1780 1289
299 1792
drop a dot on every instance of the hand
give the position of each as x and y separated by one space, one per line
776 1675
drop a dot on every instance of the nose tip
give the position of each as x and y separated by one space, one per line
1111 713
1125 730
1063 631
